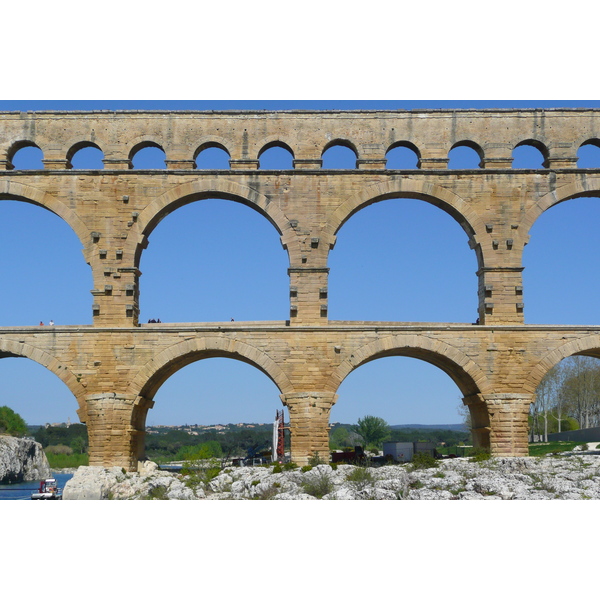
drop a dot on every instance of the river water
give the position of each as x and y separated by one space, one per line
23 491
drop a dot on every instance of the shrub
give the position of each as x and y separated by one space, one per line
360 478
157 493
59 449
200 472
267 493
306 468
479 454
315 460
423 460
318 486
289 466
277 469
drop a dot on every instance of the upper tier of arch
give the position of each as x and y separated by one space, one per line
245 135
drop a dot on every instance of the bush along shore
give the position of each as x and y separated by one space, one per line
568 475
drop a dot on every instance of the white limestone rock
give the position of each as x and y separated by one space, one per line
92 483
22 460
569 476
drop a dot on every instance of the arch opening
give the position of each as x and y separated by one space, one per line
235 267
530 154
402 259
41 261
567 401
588 155
217 400
276 156
148 155
465 155
558 288
34 392
27 156
407 392
403 155
86 156
339 154
212 156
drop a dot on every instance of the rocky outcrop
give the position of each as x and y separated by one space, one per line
22 460
567 476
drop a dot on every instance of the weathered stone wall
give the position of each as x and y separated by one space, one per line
115 366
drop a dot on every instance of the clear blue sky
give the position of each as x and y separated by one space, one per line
415 247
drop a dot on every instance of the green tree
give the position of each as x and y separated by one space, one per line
373 430
79 445
11 422
340 438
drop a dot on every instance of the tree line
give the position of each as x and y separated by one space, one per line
568 397
371 432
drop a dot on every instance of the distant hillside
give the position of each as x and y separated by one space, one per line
451 427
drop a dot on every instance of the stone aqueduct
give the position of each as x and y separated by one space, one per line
115 366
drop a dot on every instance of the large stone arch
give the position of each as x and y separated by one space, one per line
469 378
203 189
405 187
587 346
585 186
11 190
156 371
13 349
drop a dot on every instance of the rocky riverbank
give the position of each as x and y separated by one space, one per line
22 460
572 475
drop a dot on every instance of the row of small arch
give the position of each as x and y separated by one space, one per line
279 156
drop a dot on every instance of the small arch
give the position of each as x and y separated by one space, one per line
147 155
588 154
402 155
530 154
465 155
25 155
85 155
276 156
212 155
339 154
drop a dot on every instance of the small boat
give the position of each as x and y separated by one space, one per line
48 490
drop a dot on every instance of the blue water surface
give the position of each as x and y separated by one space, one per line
23 491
